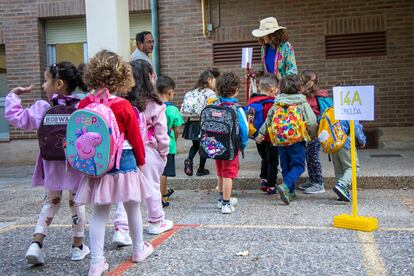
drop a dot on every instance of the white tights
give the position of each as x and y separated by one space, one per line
98 223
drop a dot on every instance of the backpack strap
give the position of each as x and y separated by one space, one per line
68 101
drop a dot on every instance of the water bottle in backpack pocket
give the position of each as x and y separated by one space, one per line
220 137
52 129
93 140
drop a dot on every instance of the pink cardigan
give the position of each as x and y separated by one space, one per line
157 127
53 175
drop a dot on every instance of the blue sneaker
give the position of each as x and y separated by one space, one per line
342 191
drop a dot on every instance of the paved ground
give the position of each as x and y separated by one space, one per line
280 240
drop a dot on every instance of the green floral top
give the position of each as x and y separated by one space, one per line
285 60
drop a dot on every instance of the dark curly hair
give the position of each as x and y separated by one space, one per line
107 69
291 84
143 91
280 36
228 84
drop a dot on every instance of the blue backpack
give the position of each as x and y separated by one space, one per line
323 103
255 116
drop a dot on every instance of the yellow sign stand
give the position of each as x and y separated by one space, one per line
354 221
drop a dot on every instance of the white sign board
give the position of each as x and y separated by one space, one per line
246 57
354 102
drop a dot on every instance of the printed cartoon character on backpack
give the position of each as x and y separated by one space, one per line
93 141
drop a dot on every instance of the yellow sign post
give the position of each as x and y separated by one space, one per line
354 221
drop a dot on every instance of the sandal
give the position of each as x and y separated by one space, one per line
188 167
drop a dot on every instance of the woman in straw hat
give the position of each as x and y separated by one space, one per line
278 56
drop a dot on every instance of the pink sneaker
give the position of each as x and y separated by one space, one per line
98 269
141 255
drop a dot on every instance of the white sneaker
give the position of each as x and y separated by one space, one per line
34 255
227 209
233 202
160 227
121 238
78 254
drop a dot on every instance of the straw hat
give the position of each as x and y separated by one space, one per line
267 26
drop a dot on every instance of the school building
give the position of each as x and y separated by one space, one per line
367 42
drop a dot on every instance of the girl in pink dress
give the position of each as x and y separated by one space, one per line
60 80
125 184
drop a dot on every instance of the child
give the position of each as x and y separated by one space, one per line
292 156
206 85
342 161
145 98
60 80
165 87
107 70
228 86
311 90
270 159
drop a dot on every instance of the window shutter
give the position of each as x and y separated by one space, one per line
356 45
231 52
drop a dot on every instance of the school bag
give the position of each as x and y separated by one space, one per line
323 103
219 130
193 103
287 126
142 124
256 114
52 130
93 140
330 132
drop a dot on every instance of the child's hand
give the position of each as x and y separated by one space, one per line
21 90
141 167
259 138
362 146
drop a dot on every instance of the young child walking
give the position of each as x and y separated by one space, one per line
60 81
144 97
257 109
194 102
311 90
107 70
290 112
228 86
342 161
165 88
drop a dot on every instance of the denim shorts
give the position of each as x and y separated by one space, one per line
126 164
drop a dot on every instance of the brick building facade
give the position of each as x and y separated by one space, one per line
185 52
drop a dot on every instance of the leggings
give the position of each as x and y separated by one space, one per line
193 151
51 206
98 223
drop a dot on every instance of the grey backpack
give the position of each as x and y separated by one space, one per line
220 138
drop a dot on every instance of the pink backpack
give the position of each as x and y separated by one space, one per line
93 140
142 125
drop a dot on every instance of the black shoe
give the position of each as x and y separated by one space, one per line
165 204
170 192
201 172
188 167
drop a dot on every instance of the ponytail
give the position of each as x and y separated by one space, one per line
69 74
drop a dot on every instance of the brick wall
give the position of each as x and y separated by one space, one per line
23 33
185 52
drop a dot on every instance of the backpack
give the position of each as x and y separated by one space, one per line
255 112
323 103
142 124
287 126
330 132
93 140
193 103
52 129
219 130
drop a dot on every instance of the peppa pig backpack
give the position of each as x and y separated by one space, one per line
93 140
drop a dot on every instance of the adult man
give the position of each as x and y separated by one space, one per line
145 45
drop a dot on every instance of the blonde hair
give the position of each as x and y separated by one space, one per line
107 69
310 83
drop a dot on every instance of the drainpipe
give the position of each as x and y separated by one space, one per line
203 15
154 23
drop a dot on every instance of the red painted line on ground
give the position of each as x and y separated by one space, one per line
156 242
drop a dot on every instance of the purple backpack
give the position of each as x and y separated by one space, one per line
52 129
